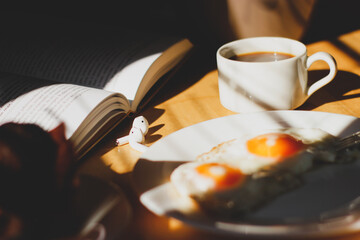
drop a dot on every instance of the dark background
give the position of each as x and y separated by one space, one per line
329 18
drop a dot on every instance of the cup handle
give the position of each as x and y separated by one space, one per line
328 78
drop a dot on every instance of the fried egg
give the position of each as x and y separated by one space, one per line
226 191
280 148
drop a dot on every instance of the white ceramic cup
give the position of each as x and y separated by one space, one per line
261 86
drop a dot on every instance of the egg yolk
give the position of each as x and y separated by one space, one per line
224 176
275 145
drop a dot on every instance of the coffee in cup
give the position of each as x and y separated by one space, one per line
267 73
261 57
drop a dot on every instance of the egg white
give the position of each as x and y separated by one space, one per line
189 182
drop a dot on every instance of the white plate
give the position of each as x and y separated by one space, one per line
326 205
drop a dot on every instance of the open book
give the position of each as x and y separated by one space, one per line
89 77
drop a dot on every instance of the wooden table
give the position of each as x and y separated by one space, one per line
192 97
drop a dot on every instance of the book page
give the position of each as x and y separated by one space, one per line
166 62
48 104
134 71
